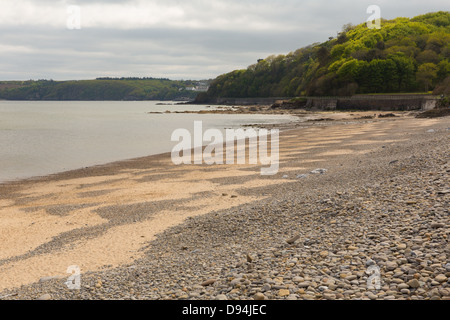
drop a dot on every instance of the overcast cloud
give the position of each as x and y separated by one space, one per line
191 39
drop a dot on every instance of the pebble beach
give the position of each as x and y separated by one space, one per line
360 210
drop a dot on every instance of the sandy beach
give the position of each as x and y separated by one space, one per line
114 219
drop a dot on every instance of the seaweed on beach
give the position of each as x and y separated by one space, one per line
434 113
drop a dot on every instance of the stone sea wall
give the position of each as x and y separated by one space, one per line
360 102
248 101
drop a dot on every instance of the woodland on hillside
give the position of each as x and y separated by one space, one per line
108 89
404 56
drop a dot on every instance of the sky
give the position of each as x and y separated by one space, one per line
175 39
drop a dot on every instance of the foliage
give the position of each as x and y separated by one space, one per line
443 88
100 89
405 55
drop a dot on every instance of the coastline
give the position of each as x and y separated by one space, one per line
108 215
310 119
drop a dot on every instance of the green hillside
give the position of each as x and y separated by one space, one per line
405 55
101 89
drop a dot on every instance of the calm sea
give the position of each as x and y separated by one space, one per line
40 138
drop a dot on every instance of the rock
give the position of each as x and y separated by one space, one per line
279 287
235 291
447 267
402 286
332 287
259 296
414 283
405 291
298 279
319 171
235 282
249 258
437 225
329 296
372 296
391 266
402 246
221 297
301 291
45 297
434 292
208 282
431 131
324 254
283 293
352 248
444 192
304 284
266 287
302 176
293 240
441 278
285 176
444 292
370 262
194 295
351 277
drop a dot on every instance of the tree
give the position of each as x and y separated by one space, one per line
349 70
347 27
323 54
405 71
443 87
426 74
372 76
444 69
427 56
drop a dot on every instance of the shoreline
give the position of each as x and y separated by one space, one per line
101 196
313 118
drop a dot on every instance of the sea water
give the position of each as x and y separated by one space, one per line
39 138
